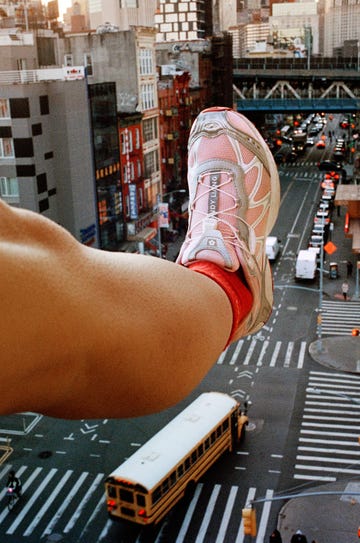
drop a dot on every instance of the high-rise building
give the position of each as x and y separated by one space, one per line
183 20
122 13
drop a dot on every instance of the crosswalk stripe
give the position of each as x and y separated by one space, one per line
249 498
264 517
275 354
208 513
263 352
65 504
227 514
48 503
35 495
186 522
83 502
25 486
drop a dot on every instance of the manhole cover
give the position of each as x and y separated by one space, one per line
45 454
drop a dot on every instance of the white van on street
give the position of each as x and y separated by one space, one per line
272 247
306 264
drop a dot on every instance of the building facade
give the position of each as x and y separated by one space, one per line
46 151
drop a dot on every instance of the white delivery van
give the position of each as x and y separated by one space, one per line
306 264
272 247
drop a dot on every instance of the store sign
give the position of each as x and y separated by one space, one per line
163 210
134 212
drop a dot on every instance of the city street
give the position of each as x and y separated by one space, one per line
63 464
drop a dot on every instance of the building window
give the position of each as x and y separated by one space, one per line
4 108
9 187
36 129
147 91
6 148
88 63
150 130
126 142
19 108
44 105
151 163
146 62
129 4
137 138
23 147
68 59
41 181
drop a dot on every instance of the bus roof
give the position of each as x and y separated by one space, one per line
158 456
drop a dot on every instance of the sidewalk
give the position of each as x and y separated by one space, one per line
323 518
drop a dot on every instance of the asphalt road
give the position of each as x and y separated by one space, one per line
63 464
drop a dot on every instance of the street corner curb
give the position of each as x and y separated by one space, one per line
339 352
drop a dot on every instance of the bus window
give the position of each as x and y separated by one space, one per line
187 463
200 450
165 486
180 471
225 425
111 491
156 495
212 437
172 478
140 500
193 457
126 495
207 443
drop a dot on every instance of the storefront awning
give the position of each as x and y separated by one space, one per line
146 234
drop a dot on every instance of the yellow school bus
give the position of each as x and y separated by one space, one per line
145 487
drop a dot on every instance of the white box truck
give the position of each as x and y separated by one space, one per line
306 264
272 247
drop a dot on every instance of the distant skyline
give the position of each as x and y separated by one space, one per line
63 5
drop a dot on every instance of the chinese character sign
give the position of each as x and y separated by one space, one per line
163 210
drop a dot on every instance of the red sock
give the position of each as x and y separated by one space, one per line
238 293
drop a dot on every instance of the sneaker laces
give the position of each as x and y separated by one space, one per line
231 234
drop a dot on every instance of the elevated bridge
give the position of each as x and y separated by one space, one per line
275 85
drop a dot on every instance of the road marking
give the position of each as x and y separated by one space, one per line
65 504
48 503
264 517
275 354
83 502
301 355
250 352
249 498
189 513
208 513
226 515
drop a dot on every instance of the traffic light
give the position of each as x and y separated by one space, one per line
249 521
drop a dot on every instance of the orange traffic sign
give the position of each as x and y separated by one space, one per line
330 247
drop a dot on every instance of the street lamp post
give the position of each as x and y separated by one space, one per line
159 199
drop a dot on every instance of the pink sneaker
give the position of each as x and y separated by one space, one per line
234 202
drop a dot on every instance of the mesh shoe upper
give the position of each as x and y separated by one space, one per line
234 201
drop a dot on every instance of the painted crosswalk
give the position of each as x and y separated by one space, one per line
328 445
339 318
217 507
52 501
257 351
66 503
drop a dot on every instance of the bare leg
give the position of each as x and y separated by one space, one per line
88 333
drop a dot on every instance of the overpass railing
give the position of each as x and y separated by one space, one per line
292 63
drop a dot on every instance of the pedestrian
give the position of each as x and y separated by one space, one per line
345 289
87 333
275 537
349 268
298 537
